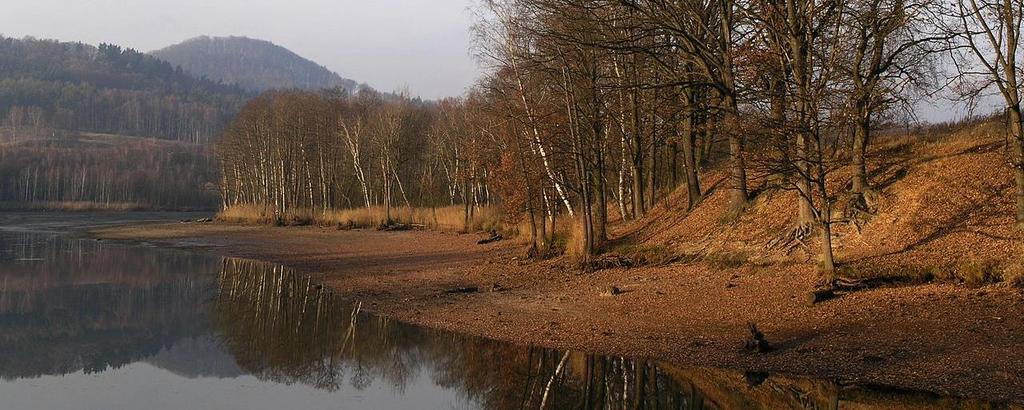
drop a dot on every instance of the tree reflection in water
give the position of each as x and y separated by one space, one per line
75 305
283 327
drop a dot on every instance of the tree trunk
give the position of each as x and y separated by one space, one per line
828 263
805 214
466 205
860 142
533 226
738 172
601 227
674 165
1019 173
652 172
738 168
638 185
690 163
740 195
621 183
1017 128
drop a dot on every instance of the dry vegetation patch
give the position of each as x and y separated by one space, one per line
448 218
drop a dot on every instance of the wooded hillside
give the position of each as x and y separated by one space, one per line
107 89
255 65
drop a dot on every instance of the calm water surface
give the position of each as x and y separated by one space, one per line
97 325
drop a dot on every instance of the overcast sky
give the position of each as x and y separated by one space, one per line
388 44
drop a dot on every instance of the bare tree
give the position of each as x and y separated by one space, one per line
988 32
895 43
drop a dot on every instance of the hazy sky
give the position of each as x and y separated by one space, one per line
388 44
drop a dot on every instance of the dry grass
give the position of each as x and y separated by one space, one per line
448 218
1014 274
726 260
970 273
646 255
574 240
979 273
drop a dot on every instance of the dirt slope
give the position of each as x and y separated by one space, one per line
943 207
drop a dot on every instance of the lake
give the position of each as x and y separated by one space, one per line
88 324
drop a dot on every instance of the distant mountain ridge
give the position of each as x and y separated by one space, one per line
252 64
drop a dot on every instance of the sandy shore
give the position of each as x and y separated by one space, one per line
940 338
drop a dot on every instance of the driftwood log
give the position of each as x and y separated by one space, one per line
757 342
493 238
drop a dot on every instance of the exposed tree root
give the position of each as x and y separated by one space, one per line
857 209
833 286
610 262
792 238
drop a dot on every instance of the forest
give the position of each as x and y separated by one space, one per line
71 170
293 149
108 89
594 111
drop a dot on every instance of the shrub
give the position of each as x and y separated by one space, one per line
647 254
726 260
978 273
1014 274
972 273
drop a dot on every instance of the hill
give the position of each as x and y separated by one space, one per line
46 84
255 65
941 209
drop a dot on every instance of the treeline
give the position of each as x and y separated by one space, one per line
596 109
108 89
72 171
305 150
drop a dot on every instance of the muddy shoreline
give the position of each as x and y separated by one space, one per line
939 338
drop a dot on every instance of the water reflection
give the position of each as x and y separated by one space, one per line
69 306
109 318
283 327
